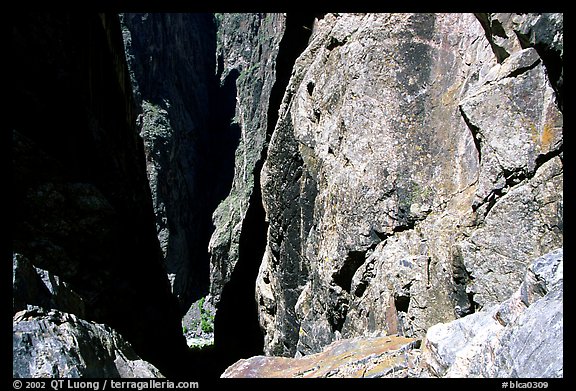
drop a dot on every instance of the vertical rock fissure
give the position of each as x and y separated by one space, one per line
295 40
237 329
396 175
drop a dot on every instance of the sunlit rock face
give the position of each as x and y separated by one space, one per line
412 175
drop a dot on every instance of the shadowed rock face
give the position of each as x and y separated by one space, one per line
412 175
248 49
206 83
173 72
83 218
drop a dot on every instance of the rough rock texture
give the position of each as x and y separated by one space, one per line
518 127
247 49
204 82
34 286
83 228
56 344
389 356
412 174
414 170
522 337
508 33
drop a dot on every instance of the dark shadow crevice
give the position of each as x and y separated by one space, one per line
237 329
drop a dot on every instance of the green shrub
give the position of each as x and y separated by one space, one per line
206 325
206 320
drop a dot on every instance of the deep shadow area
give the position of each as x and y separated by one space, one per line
224 139
74 103
192 142
82 206
295 39
236 327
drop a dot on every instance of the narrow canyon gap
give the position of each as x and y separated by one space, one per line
196 154
83 217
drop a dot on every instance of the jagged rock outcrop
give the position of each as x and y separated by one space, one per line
205 84
261 48
508 33
521 337
413 173
34 286
56 344
248 46
388 356
83 227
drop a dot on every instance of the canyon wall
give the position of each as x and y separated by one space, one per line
83 225
173 75
388 186
205 84
415 170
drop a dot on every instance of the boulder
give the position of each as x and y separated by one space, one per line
376 357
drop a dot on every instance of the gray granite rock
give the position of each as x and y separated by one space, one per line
521 337
410 177
57 344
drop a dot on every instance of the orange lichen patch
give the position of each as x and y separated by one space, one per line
551 131
449 97
546 136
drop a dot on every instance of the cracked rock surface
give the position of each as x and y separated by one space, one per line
521 337
360 357
50 343
414 172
